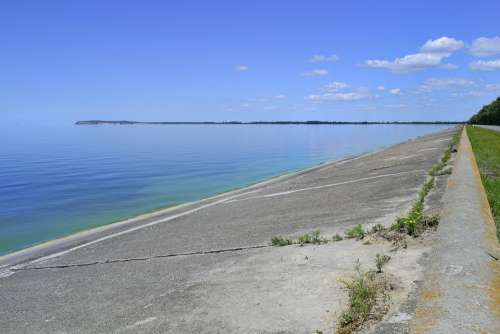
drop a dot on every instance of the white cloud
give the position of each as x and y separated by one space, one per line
431 55
442 45
395 91
381 88
241 68
279 97
322 58
484 46
485 65
433 83
409 63
335 86
346 96
315 73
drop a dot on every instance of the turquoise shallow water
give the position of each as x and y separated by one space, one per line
59 180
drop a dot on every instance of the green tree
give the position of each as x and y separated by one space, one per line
489 114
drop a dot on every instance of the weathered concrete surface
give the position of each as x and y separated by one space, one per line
121 281
461 293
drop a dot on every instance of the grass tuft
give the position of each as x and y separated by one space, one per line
280 241
312 238
381 261
363 292
337 237
356 232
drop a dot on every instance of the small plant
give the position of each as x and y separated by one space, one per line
280 241
431 221
377 228
316 238
313 238
362 294
380 261
337 237
356 232
305 239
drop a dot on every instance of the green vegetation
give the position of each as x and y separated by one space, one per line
486 146
356 232
337 237
381 261
377 228
280 241
312 238
415 222
489 114
364 292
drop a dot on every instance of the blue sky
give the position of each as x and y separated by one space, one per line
62 61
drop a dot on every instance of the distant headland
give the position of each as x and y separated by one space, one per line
124 122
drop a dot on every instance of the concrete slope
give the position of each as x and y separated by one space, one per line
196 268
461 293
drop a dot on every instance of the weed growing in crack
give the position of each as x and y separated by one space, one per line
280 241
363 292
337 237
312 238
381 261
377 228
357 232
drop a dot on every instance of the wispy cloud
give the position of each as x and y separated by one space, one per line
395 91
488 89
323 58
439 83
485 65
315 73
346 96
340 91
431 55
484 46
335 86
241 68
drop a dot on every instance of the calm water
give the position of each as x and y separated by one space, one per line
54 182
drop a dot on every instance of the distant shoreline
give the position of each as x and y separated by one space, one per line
124 122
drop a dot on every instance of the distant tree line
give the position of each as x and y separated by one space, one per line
98 122
488 115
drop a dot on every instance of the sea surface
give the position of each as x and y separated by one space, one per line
59 180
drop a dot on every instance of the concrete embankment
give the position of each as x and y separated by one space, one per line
461 293
206 267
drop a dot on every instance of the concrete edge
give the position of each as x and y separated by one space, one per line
424 320
491 242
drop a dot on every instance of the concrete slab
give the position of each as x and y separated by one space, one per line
461 293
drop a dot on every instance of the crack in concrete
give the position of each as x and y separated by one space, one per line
146 258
